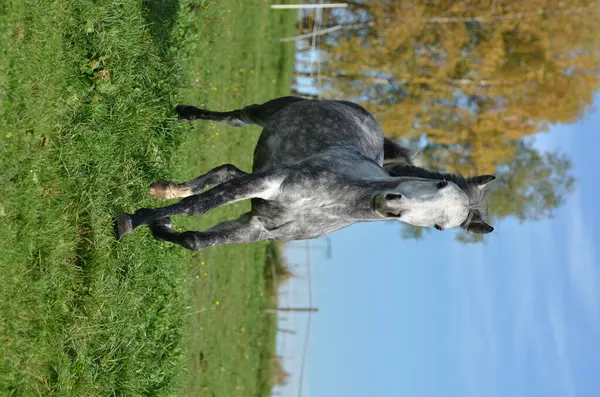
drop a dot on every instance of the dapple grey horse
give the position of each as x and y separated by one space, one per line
318 167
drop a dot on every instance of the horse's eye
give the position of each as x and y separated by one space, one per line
442 184
438 227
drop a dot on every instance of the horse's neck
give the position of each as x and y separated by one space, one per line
350 164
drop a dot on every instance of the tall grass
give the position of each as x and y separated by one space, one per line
87 90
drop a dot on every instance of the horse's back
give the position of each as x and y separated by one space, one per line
310 127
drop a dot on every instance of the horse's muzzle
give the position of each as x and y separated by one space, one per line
387 205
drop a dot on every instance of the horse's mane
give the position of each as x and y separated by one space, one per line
394 154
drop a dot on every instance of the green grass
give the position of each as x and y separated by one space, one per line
86 96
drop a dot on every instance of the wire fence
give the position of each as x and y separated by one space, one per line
296 307
308 79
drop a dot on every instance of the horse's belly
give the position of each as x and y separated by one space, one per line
303 228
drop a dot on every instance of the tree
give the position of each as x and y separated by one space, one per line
279 376
470 79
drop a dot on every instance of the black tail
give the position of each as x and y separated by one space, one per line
395 154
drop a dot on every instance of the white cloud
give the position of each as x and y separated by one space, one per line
557 320
511 321
474 316
540 331
582 264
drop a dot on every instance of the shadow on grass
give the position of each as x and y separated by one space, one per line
161 16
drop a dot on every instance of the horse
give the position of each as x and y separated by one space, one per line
319 166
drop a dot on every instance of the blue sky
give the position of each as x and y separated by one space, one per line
516 316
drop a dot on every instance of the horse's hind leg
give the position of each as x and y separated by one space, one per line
162 189
245 229
252 114
188 112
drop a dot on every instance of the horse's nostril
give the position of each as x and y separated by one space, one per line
392 196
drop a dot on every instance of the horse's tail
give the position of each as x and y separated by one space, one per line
394 154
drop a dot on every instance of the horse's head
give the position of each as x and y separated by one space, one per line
431 199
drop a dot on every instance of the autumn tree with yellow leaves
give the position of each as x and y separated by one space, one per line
469 80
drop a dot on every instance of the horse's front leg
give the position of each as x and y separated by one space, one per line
162 189
260 185
245 229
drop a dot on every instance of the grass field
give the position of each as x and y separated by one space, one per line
87 89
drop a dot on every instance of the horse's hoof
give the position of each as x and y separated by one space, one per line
185 113
162 190
123 226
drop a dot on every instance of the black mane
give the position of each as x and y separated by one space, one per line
418 172
395 153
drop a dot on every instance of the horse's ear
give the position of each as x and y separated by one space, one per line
479 227
476 224
481 181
